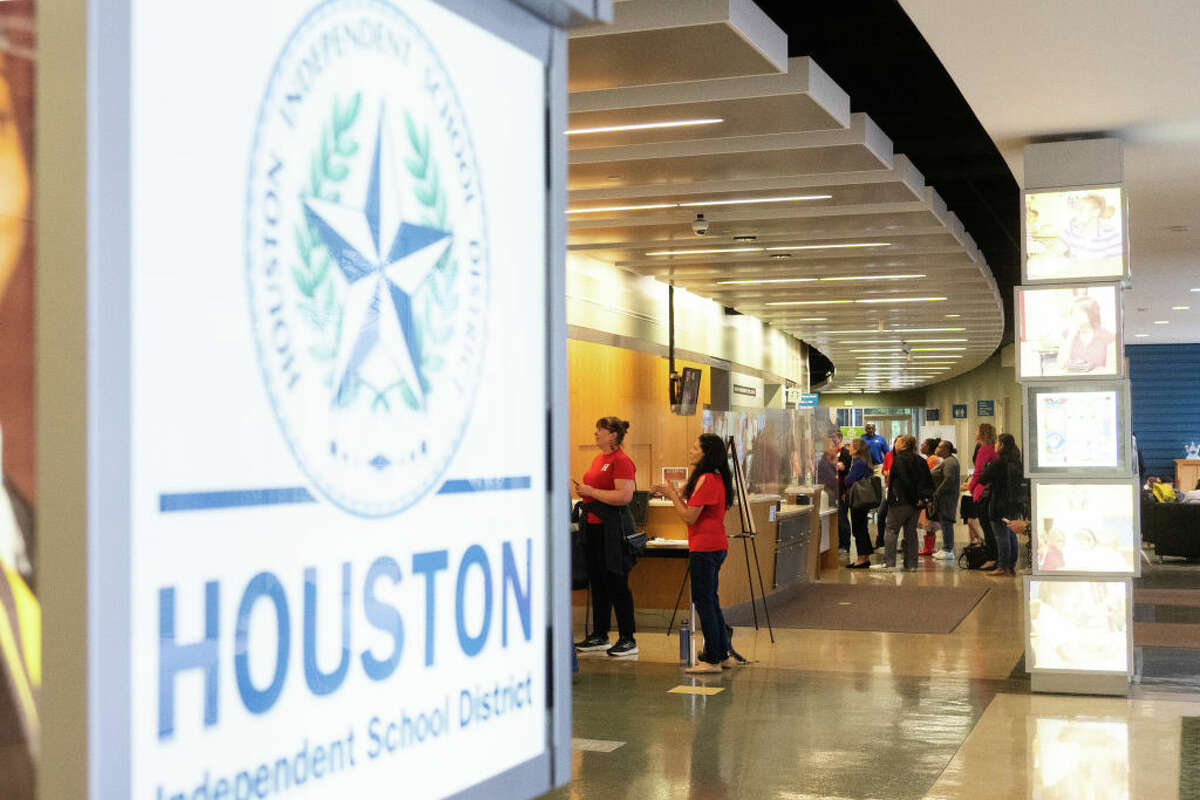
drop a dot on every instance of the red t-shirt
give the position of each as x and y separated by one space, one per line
707 533
606 470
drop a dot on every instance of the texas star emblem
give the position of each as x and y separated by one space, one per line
366 256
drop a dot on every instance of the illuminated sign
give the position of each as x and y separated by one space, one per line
1079 625
1075 235
1085 527
1068 331
1078 430
338 546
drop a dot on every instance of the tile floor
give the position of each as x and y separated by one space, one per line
844 714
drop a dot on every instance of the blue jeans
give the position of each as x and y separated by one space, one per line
705 568
1006 545
881 517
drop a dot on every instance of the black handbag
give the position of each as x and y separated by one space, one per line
975 556
579 565
865 493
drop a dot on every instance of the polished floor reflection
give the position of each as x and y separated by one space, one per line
853 714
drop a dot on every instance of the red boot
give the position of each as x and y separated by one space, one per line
927 549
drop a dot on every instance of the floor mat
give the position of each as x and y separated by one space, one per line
890 609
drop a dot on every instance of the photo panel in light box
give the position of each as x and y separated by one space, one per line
1085 527
1079 625
1075 234
1078 430
1070 331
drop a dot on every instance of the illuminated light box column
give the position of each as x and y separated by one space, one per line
1084 521
324 478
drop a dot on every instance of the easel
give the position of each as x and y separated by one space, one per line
748 533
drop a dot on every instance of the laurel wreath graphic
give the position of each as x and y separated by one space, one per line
437 301
321 304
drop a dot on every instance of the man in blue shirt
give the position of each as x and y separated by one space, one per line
878 447
875 443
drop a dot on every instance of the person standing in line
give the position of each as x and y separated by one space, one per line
860 467
881 513
945 495
929 521
1003 477
702 505
607 490
910 487
985 453
843 465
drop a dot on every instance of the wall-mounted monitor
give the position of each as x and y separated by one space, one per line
1086 527
688 392
1079 625
1068 331
1080 430
1075 235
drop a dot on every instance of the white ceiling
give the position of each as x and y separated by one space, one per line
1034 70
786 132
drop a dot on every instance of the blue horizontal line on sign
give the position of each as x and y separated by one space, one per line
461 486
245 498
236 498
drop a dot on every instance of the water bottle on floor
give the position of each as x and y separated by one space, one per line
685 643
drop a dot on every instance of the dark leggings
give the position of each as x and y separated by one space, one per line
862 535
610 590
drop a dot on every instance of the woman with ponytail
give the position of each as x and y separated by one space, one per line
702 505
606 490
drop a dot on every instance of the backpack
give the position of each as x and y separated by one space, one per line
1016 492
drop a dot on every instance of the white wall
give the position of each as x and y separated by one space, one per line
612 302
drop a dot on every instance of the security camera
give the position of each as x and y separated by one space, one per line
699 225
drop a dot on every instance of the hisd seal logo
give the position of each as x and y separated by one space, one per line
366 256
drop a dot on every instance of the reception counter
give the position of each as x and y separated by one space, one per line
782 539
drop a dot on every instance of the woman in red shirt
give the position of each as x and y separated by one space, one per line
985 453
702 505
609 481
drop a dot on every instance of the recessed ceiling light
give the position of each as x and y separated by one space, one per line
953 316
1180 308
781 255
873 277
756 281
1162 322
748 281
1140 335
1197 289
866 301
810 302
711 250
644 126
903 300
705 252
737 201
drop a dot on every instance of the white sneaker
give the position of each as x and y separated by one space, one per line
945 555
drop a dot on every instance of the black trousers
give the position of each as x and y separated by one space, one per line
862 534
610 590
843 524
